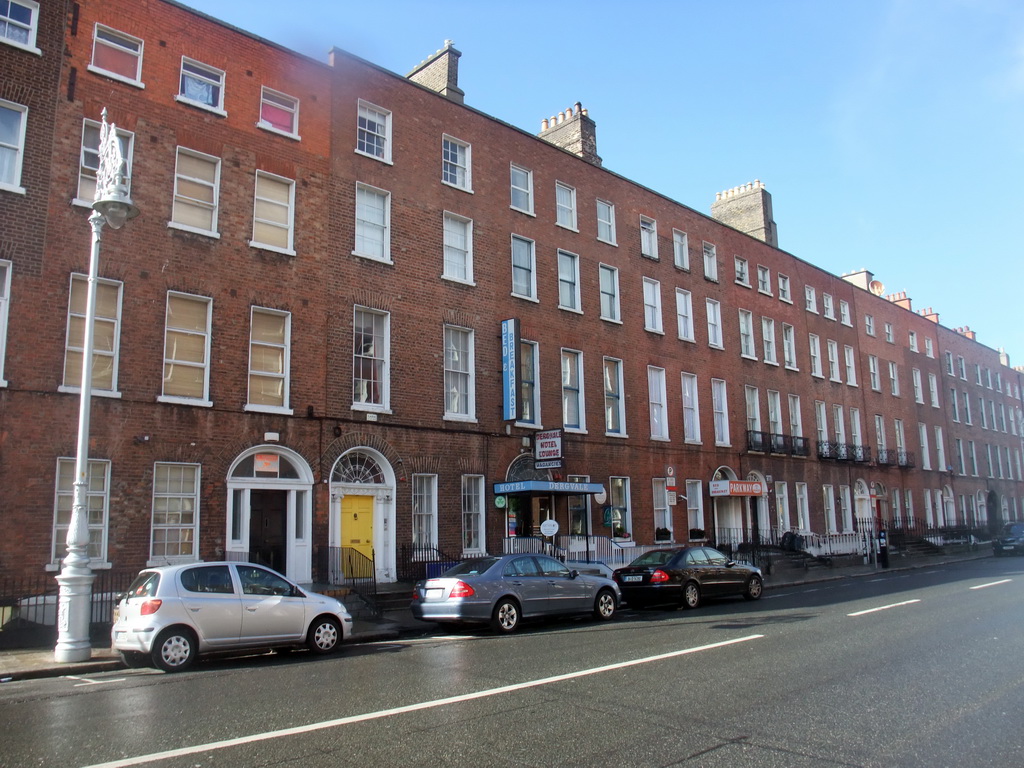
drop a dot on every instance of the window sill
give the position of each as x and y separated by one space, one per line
22 46
655 331
377 259
772 362
193 230
785 300
525 298
469 283
200 105
614 320
573 310
271 129
529 425
650 256
173 400
114 76
748 356
278 409
460 418
764 293
608 242
467 190
576 430
12 188
523 210
271 248
385 160
95 392
617 435
371 408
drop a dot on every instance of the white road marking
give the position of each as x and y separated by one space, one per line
992 583
256 737
86 681
883 608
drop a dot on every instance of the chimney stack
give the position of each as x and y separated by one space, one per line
573 131
440 73
747 208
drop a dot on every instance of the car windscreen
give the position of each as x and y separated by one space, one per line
655 557
472 567
145 585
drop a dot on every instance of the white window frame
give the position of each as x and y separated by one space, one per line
926 454
680 249
684 315
771 355
889 333
832 348
203 335
473 521
6 270
373 131
457 258
720 409
614 398
694 505
714 318
874 374
255 373
894 379
424 514
565 206
796 418
606 222
752 401
657 398
710 253
373 359
764 280
912 340
98 475
531 269
747 343
662 511
183 181
30 30
810 299
188 500
844 313
456 163
691 408
929 348
653 320
915 377
282 102
569 281
79 318
814 344
459 372
572 387
626 520
288 226
523 191
850 359
828 306
789 346
109 38
18 148
784 289
742 271
933 390
869 325
609 291
648 237
196 71
369 230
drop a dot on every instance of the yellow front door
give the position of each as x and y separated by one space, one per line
357 524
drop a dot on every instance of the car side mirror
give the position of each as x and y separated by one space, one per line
730 564
573 574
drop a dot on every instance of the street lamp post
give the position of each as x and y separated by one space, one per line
114 207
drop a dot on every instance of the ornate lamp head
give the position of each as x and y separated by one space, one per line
112 200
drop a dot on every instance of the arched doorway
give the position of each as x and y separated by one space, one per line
270 510
727 512
948 510
880 504
758 522
862 504
362 514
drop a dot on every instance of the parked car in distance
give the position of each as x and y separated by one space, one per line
1010 540
171 614
686 576
504 590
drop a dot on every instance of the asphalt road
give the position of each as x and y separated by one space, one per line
919 668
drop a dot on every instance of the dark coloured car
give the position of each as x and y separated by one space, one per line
686 576
504 590
1010 540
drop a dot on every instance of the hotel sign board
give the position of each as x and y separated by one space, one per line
510 369
736 488
547 446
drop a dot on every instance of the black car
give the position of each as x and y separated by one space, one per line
685 576
1010 540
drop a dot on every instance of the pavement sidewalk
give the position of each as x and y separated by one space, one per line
39 662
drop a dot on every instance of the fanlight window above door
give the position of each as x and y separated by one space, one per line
357 468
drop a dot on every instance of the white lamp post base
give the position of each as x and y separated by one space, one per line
74 609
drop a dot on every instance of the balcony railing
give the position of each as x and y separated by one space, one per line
896 457
801 446
757 441
780 443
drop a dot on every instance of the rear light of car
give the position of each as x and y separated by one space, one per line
462 589
658 576
150 607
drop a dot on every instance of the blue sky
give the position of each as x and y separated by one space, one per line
889 132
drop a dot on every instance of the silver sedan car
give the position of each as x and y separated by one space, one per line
504 590
171 614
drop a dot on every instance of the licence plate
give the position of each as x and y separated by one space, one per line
632 578
1007 547
117 613
433 593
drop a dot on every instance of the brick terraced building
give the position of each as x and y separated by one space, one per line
358 317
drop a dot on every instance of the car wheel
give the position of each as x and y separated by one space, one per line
754 588
691 594
324 635
175 650
506 617
604 605
133 659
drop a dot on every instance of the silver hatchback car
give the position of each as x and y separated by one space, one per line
504 590
171 614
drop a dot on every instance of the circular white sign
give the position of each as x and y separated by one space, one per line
600 496
549 527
